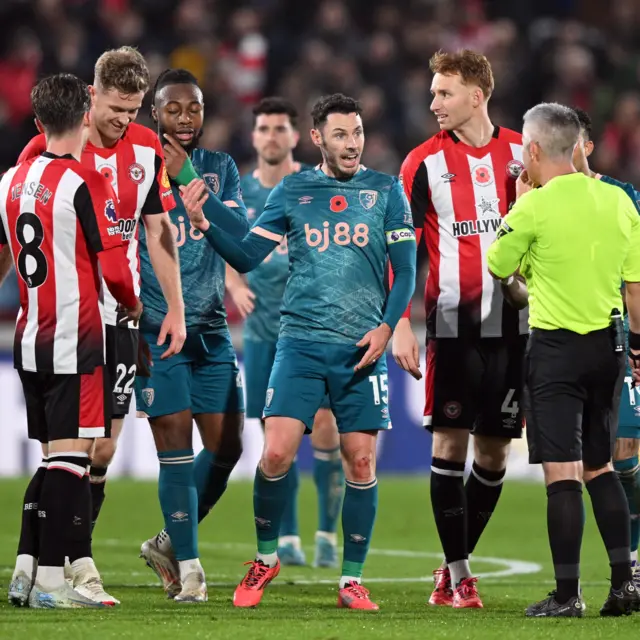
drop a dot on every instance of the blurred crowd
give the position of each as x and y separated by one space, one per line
570 51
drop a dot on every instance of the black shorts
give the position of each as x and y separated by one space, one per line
572 396
61 406
475 384
122 356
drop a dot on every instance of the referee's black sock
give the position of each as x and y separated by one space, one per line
565 523
62 491
29 539
449 504
611 511
483 489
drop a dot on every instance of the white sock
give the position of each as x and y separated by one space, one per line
270 559
459 571
332 538
293 541
189 566
345 580
50 578
634 556
164 542
26 563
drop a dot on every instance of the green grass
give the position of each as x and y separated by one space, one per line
301 603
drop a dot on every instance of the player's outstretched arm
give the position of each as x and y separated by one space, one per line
243 254
229 204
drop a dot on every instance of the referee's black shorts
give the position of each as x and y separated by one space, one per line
573 384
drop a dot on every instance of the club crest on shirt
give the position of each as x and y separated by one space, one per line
514 169
368 198
110 211
148 396
136 173
212 180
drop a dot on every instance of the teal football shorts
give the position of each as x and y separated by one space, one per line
304 371
203 377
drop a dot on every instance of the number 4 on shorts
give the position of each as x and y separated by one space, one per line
509 405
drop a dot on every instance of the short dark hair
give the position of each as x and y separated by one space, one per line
335 103
585 122
123 69
275 105
59 103
173 76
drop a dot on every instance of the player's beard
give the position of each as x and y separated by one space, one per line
332 160
275 160
188 148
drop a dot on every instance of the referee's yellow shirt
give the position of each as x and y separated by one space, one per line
575 240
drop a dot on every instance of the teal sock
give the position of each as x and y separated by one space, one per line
329 479
289 524
269 500
179 501
629 473
212 475
358 515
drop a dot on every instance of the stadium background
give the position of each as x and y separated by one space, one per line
377 51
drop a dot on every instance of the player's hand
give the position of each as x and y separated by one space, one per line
243 298
634 363
405 348
144 360
377 340
523 184
194 195
173 325
135 313
174 156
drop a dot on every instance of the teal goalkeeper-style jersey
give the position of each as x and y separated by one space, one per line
269 279
337 233
202 270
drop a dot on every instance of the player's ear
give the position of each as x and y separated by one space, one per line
86 121
316 137
588 148
154 113
296 138
478 97
39 126
92 93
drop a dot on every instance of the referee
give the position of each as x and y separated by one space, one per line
575 240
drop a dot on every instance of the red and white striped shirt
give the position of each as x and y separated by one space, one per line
459 195
135 168
59 219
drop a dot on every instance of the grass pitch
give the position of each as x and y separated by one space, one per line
512 559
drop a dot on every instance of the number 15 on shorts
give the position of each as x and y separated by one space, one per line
379 386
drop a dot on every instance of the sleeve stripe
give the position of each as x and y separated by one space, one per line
269 235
